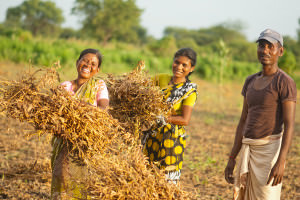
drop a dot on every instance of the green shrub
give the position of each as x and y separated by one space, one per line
287 62
121 58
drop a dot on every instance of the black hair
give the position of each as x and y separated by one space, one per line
190 53
94 51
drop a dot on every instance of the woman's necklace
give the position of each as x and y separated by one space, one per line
172 81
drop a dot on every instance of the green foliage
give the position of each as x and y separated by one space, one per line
15 33
206 36
164 47
39 17
109 20
187 42
242 50
121 57
298 32
208 67
87 8
292 45
38 52
287 62
218 64
117 59
67 33
206 40
216 32
224 59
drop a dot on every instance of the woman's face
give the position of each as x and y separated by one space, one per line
87 66
182 66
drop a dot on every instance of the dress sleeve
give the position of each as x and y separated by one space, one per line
67 85
190 100
102 92
162 80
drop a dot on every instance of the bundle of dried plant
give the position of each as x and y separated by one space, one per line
118 168
135 100
37 99
128 175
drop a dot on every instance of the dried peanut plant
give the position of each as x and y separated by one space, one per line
135 100
128 175
107 140
37 99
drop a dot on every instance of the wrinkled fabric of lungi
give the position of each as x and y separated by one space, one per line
257 157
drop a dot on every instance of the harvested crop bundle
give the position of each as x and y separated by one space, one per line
129 176
37 100
106 141
135 100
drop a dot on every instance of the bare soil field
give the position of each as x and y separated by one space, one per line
25 171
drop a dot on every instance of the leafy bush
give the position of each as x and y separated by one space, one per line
208 67
121 58
287 62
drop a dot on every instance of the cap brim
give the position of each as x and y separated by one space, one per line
270 39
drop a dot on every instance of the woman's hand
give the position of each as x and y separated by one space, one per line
160 120
102 103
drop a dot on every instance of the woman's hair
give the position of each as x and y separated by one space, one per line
94 51
188 52
191 54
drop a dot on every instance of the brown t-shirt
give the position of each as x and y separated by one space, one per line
264 116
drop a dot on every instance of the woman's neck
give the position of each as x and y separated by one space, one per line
175 80
77 83
80 81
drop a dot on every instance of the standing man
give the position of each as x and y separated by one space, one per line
264 133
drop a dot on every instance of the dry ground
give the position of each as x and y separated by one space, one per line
25 163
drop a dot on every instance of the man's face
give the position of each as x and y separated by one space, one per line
268 53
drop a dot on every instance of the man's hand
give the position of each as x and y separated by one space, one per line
276 173
229 171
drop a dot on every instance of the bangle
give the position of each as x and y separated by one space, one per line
231 157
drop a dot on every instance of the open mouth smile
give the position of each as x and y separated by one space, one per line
85 70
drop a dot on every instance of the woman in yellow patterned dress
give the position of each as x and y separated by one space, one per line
67 169
165 145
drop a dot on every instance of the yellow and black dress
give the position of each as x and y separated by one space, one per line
165 145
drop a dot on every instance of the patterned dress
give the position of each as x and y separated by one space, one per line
165 145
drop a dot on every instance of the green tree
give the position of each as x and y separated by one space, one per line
293 45
110 19
87 11
287 62
67 33
298 31
207 40
164 47
39 17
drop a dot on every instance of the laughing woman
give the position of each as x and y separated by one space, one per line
165 145
65 168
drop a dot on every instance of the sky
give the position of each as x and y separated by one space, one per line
256 15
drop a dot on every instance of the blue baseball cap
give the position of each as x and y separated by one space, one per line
271 36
